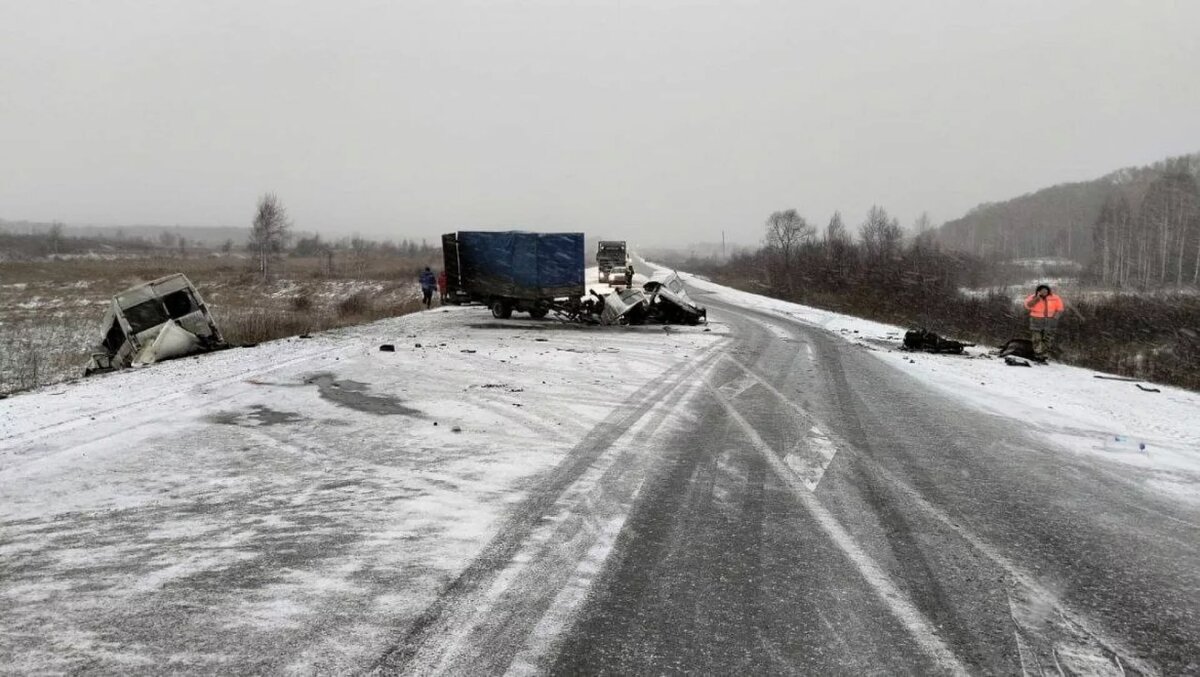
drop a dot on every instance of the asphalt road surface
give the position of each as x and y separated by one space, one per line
789 504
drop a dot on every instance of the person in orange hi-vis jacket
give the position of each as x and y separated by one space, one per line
1044 308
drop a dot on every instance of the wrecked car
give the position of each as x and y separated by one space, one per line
625 306
662 300
152 322
669 302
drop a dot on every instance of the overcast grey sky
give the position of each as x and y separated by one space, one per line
647 120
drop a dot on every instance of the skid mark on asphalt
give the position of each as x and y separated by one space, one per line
474 636
918 627
811 455
536 427
1048 629
438 633
562 555
614 507
1046 615
737 386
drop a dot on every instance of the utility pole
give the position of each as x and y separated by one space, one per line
722 245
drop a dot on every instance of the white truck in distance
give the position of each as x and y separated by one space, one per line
610 257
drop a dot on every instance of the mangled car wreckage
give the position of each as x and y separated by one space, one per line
669 302
662 300
152 322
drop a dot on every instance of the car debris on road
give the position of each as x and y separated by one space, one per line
926 341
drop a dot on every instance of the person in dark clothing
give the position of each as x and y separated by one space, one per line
629 276
428 284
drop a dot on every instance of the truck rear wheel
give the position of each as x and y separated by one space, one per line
501 310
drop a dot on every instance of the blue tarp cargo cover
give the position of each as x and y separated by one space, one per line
520 265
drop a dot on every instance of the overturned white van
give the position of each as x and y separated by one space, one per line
152 322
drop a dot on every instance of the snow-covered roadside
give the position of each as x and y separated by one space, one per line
295 505
1110 420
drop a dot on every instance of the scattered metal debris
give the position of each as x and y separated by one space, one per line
929 342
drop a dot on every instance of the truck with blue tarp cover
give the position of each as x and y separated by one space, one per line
514 270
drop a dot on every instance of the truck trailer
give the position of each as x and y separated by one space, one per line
514 270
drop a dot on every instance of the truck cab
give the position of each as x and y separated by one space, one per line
610 257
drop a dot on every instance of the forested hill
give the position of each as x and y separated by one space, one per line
1056 221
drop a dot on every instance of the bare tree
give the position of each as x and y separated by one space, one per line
923 232
1113 241
55 237
786 232
836 231
881 235
269 232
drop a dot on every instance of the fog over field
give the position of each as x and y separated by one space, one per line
657 121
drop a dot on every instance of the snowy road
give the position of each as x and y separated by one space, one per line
774 496
837 517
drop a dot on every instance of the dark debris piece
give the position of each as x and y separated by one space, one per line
929 342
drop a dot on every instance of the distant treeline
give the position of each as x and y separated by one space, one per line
881 272
1155 242
53 242
1062 220
915 282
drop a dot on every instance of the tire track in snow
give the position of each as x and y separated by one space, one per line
534 601
460 596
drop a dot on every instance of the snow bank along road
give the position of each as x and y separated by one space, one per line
778 495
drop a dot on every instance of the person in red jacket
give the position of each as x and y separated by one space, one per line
441 286
1044 307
